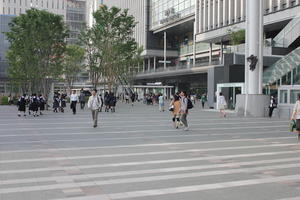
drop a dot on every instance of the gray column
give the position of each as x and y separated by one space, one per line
200 22
215 14
154 63
253 44
209 15
219 21
210 53
297 2
165 50
149 64
144 65
236 10
288 3
271 6
205 16
278 4
242 10
194 45
230 11
225 4
197 18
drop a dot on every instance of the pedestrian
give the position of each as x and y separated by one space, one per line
106 101
161 103
34 105
22 105
296 116
94 104
203 100
126 98
74 100
101 106
175 109
222 104
42 102
56 102
112 102
82 99
62 103
184 110
272 106
132 99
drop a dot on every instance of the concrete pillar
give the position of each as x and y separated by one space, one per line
154 63
215 14
149 64
297 2
219 19
200 22
197 17
205 16
165 50
210 53
242 10
288 3
194 45
236 10
222 53
253 43
271 6
230 11
278 4
209 15
144 65
225 4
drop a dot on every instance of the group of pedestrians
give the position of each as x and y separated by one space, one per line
59 102
180 106
110 102
36 105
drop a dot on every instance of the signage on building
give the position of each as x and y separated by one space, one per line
171 15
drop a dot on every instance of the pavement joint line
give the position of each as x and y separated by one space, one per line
152 162
292 198
147 137
151 130
144 153
150 171
167 130
142 179
142 145
185 189
161 124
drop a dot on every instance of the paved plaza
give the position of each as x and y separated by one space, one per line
135 154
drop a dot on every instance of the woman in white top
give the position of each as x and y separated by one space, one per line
296 116
222 105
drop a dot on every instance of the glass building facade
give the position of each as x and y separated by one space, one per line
168 11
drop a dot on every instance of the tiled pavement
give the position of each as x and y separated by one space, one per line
135 154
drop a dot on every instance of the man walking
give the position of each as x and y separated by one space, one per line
184 110
94 104
82 99
74 99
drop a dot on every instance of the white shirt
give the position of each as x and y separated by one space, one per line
94 102
74 97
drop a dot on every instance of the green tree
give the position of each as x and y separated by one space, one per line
111 41
236 36
73 64
37 44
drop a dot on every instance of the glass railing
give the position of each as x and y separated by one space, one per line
281 39
200 47
282 67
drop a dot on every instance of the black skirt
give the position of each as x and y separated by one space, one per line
298 124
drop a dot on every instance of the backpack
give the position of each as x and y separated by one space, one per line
189 104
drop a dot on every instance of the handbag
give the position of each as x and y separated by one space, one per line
171 108
292 125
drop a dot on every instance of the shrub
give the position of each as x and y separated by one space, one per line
4 100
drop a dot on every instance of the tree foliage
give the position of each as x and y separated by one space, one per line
37 44
236 36
72 64
110 45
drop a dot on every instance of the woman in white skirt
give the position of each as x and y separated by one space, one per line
222 105
296 116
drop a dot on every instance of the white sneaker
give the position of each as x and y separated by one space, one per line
186 129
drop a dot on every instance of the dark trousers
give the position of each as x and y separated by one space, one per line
203 104
73 106
271 111
82 104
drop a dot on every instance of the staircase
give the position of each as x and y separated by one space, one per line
289 34
282 67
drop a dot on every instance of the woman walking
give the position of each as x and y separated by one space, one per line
161 103
296 116
176 105
22 105
222 105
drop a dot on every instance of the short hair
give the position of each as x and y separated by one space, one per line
221 94
94 90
